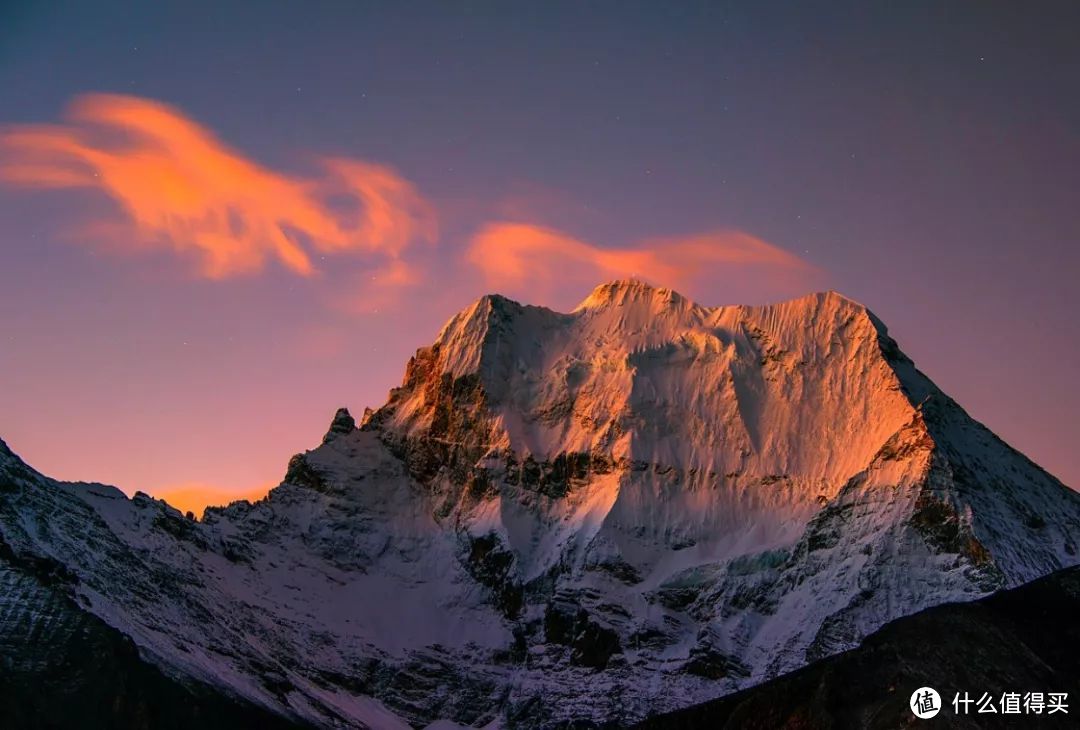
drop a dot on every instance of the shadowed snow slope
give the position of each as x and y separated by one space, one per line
632 507
1024 637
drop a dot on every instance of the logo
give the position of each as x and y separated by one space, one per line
925 703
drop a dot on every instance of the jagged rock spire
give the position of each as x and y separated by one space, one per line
343 423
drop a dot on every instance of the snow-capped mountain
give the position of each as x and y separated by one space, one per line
632 507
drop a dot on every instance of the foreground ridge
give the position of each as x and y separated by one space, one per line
1017 641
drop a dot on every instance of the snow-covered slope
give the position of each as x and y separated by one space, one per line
638 505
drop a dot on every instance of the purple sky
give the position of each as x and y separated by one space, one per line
924 160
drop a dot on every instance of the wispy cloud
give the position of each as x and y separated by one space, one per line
182 189
517 256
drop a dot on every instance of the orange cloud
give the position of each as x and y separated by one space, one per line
181 188
516 255
196 496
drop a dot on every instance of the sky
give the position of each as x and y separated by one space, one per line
219 224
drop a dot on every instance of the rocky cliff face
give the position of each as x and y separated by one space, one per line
590 516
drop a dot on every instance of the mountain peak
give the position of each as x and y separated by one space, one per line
343 423
624 291
621 292
641 372
826 300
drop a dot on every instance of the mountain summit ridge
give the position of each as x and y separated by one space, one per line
584 516
632 329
